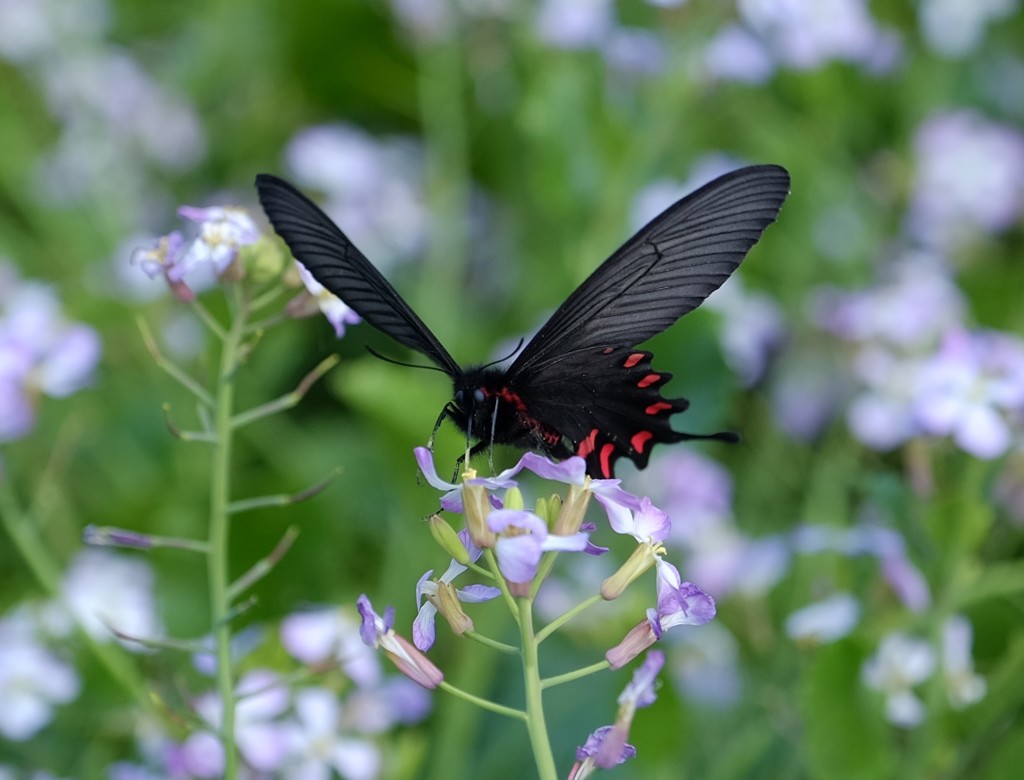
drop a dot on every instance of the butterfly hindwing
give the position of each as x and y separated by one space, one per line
608 405
338 265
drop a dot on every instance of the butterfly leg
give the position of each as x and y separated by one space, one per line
464 457
446 412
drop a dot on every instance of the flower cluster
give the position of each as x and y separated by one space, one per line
41 352
104 593
329 724
114 119
903 662
801 35
920 371
191 265
520 545
968 178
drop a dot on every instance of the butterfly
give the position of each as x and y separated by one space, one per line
580 386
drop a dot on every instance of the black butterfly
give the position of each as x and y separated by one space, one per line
580 386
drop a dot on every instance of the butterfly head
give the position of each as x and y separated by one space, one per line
476 403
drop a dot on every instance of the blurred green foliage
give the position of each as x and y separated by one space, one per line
560 146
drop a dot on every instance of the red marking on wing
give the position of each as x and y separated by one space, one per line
588 445
633 359
648 380
660 406
606 454
640 439
608 350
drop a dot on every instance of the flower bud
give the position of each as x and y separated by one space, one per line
448 604
514 499
411 662
105 536
570 517
264 259
643 558
448 539
640 637
476 505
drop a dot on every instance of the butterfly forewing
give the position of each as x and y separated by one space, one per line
338 265
666 270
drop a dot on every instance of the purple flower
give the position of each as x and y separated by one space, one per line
736 54
635 51
262 737
806 34
883 543
337 312
223 230
377 632
971 389
607 746
571 471
916 301
452 499
397 701
969 177
646 524
575 24
522 538
373 187
679 603
955 28
705 666
331 634
586 754
752 329
640 690
160 256
427 595
40 352
692 488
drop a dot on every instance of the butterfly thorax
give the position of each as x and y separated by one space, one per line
489 410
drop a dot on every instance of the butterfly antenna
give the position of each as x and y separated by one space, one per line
727 436
494 425
386 359
519 346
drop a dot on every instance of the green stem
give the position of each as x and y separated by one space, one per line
494 644
506 594
586 671
566 616
535 725
219 537
485 704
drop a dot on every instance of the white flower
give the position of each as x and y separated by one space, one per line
900 663
106 590
963 686
318 747
32 679
824 621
